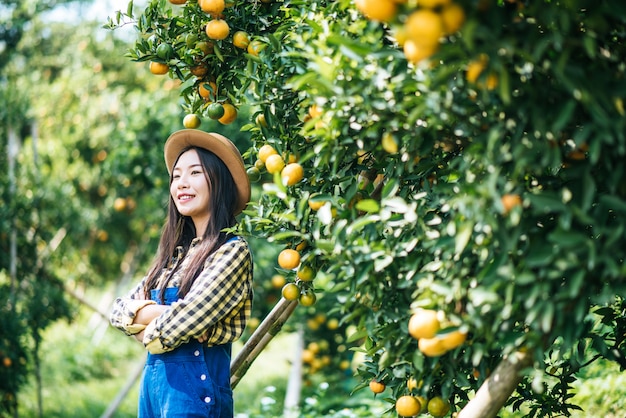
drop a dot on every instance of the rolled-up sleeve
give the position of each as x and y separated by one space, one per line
125 309
219 302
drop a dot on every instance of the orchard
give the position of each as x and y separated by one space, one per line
446 178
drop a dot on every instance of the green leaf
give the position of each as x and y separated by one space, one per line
368 205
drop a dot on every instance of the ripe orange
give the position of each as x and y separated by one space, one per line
274 164
408 406
453 339
376 386
453 17
178 1
305 273
288 259
158 68
265 151
255 47
292 174
291 291
212 7
424 27
119 204
509 201
241 39
230 114
278 281
431 347
414 52
191 121
424 324
379 10
475 68
217 29
438 407
307 298
207 89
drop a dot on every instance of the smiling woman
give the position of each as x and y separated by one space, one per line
197 297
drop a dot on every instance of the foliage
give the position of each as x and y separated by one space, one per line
496 197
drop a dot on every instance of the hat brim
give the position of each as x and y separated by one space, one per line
219 145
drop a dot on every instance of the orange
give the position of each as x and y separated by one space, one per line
278 281
379 10
199 70
291 291
230 114
178 1
212 7
475 68
254 174
431 347
431 4
292 174
389 143
215 110
260 120
315 111
424 27
158 68
438 407
424 324
408 406
207 89
316 204
453 339
241 39
305 273
288 259
191 121
307 298
414 52
265 151
217 29
119 204
255 47
509 201
274 164
453 18
376 386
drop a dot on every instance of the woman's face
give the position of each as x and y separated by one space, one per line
190 189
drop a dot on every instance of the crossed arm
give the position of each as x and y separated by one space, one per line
149 312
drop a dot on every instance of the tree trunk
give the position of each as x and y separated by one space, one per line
294 385
498 387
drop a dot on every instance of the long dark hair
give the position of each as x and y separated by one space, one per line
179 230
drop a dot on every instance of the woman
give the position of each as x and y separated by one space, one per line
197 296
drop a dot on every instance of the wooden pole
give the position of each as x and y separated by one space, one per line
270 326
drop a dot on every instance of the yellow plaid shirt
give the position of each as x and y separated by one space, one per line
219 301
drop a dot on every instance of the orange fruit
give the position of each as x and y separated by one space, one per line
191 121
452 340
292 174
254 174
424 27
431 4
376 386
379 10
509 201
431 347
291 291
207 89
265 151
212 7
414 52
119 204
424 324
260 120
255 47
453 17
305 273
241 39
307 298
274 164
215 110
217 29
199 70
278 281
315 111
158 68
230 114
475 68
178 1
438 407
288 259
408 406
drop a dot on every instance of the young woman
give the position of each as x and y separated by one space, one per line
197 296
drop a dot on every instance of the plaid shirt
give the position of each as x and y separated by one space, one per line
219 301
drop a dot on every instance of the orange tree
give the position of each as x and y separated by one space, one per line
463 188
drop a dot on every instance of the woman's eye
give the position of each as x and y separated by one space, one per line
175 176
196 172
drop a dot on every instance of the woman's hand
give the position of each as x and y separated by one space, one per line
203 338
139 336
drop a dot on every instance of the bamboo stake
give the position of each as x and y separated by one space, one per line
270 326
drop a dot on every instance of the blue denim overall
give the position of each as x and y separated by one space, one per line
190 381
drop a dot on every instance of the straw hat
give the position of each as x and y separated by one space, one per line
218 145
